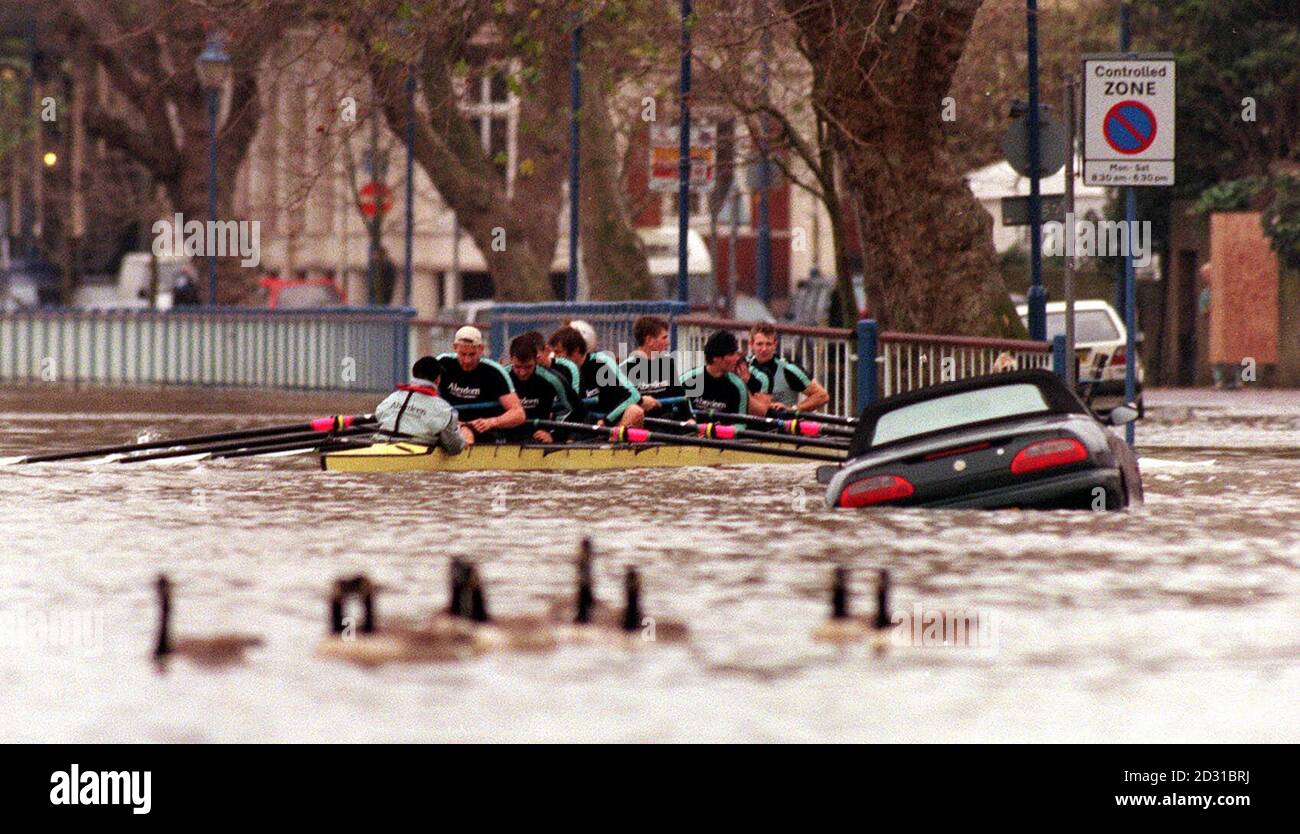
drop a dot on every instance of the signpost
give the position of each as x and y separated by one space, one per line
1128 140
1128 119
665 155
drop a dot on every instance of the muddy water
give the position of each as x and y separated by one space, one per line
1174 622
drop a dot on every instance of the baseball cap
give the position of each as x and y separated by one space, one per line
470 334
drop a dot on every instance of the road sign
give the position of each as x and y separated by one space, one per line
375 196
665 151
1015 210
1051 145
1128 119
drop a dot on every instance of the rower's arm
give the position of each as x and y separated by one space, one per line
514 413
814 397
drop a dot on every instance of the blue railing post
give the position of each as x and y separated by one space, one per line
1058 355
868 342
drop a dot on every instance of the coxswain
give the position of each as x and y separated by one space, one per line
468 378
714 386
789 385
653 369
417 410
616 400
542 393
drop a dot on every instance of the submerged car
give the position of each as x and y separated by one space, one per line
1018 439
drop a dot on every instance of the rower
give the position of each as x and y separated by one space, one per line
714 386
789 385
653 370
469 378
417 410
599 377
541 392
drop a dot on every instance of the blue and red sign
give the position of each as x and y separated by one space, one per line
1130 127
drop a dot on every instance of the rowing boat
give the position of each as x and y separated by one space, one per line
536 457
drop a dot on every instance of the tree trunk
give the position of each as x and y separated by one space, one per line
612 252
188 193
884 69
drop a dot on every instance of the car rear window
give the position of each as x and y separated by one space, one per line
958 409
1089 326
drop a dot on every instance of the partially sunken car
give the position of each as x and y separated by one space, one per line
1018 439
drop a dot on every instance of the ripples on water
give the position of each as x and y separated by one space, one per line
1176 621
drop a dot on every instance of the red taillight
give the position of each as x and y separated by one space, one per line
1048 453
875 490
1118 357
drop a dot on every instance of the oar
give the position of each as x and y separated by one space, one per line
725 432
798 426
321 446
305 439
626 435
833 419
320 425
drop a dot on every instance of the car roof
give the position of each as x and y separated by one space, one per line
1059 306
1060 399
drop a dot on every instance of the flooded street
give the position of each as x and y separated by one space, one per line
1174 622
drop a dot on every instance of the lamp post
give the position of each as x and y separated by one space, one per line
213 68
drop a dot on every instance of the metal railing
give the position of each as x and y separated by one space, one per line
828 354
362 349
900 361
908 361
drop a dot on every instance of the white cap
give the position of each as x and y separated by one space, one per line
470 334
588 333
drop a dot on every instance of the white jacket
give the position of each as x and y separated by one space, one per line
417 410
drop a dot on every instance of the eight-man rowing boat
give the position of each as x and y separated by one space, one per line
416 457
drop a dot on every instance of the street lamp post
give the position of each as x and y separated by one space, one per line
213 68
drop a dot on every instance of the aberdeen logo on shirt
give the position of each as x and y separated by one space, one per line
464 392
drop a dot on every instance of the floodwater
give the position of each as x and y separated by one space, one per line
1175 622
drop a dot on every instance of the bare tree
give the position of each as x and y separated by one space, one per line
883 69
159 117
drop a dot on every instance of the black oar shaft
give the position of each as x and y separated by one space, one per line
641 436
778 423
706 430
307 439
318 426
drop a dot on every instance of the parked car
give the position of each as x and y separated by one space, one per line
1100 340
302 293
30 282
1018 439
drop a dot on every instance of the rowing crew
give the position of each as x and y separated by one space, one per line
565 378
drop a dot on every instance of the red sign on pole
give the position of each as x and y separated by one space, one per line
376 197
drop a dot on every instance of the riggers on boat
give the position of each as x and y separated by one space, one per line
416 457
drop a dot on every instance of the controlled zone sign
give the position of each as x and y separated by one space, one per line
1128 119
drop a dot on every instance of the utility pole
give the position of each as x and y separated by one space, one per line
1130 285
1071 370
763 252
1037 293
684 160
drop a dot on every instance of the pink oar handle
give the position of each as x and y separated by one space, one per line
719 431
629 435
807 428
332 423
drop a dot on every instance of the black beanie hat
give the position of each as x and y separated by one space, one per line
427 368
721 343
